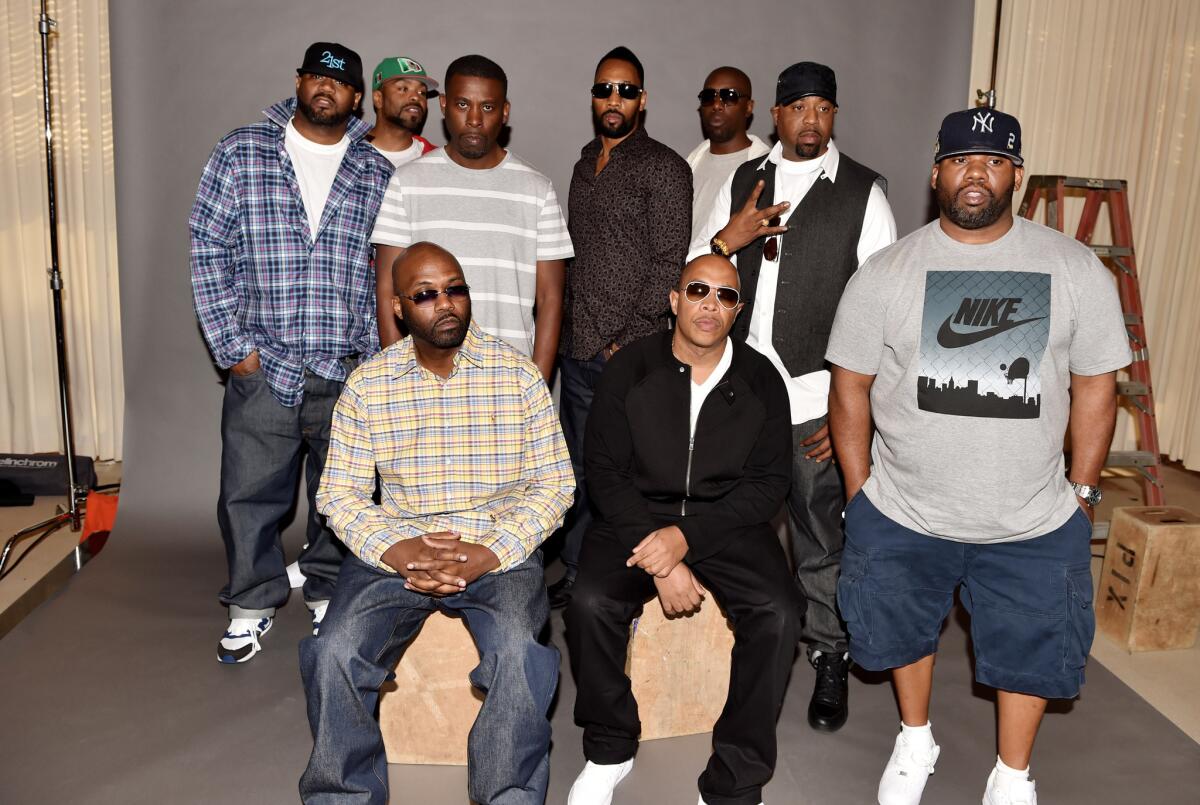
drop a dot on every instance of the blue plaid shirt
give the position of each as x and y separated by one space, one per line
260 281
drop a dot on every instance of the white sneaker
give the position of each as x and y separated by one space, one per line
907 770
295 576
318 615
595 784
1004 790
240 641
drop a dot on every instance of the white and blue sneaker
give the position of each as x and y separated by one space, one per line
318 614
241 640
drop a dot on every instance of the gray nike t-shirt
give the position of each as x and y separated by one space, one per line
972 348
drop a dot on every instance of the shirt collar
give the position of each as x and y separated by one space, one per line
405 358
829 160
633 142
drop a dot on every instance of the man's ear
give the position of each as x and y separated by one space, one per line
397 308
1018 177
933 174
674 298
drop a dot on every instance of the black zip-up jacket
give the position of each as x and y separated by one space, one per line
644 472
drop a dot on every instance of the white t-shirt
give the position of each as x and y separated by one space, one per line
398 158
709 173
808 394
316 166
700 391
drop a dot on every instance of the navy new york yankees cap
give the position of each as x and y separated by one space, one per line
333 60
979 131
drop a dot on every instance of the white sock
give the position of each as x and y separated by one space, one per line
1012 774
918 737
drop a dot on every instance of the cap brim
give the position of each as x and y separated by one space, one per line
798 95
1016 160
430 83
328 73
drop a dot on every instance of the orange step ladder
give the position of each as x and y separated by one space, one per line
1137 392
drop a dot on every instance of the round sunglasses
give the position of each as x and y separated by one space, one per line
604 89
428 296
697 291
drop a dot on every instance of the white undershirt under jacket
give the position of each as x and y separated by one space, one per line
316 166
700 391
808 394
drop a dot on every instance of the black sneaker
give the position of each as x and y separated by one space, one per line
560 592
830 700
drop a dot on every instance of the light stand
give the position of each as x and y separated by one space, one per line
76 496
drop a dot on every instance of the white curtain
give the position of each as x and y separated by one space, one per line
1111 89
83 151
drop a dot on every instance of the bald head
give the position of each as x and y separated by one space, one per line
729 77
723 119
713 269
417 259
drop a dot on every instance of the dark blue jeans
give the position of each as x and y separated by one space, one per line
370 620
262 446
579 379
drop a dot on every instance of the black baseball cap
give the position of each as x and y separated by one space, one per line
803 79
333 60
979 131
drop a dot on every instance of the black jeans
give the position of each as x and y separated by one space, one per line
262 446
751 582
579 379
814 505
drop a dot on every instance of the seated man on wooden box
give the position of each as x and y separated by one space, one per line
688 455
474 475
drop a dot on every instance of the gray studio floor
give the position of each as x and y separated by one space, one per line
111 694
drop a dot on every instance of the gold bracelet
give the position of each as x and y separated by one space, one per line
719 245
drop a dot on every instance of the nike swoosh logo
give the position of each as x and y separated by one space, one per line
950 338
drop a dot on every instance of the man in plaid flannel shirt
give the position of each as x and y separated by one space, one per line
473 475
284 292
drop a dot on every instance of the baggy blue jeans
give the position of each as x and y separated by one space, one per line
369 622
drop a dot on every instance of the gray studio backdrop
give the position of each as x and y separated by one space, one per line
186 73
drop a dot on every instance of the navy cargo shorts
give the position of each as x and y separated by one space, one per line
1030 601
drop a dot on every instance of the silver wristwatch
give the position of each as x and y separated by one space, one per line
1090 495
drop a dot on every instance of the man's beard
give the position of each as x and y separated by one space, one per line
614 132
442 339
966 218
807 151
406 121
718 135
328 119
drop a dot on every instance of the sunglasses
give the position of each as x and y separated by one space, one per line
771 247
604 89
428 296
696 292
729 97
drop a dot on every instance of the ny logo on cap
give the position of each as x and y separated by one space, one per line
329 61
983 120
409 65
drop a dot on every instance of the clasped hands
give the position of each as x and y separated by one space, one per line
439 564
661 555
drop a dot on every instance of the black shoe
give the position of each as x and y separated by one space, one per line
830 700
560 592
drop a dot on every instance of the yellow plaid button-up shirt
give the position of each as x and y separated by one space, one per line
479 453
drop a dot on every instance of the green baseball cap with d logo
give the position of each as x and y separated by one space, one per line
402 67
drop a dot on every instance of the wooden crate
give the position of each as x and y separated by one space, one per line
426 713
679 668
1149 596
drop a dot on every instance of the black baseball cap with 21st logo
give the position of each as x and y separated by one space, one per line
333 60
979 131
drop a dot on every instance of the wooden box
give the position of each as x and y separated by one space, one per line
1149 595
679 668
426 713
